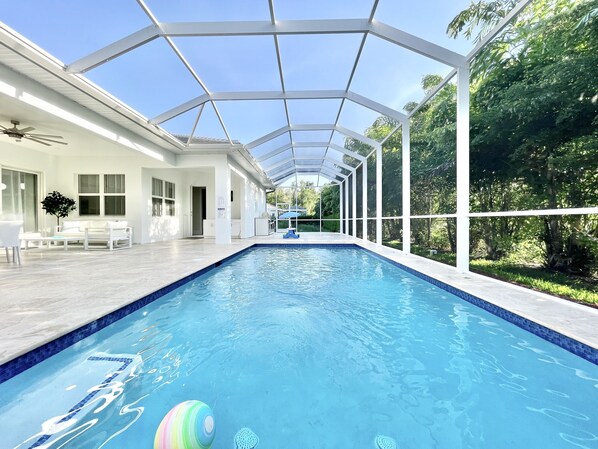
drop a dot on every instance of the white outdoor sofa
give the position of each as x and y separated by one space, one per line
115 234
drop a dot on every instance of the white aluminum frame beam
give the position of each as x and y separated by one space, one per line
288 146
406 188
281 180
333 180
341 215
379 195
114 50
338 163
277 95
346 152
289 174
462 159
298 159
313 127
261 28
346 182
364 200
354 202
275 172
331 174
275 152
285 172
307 169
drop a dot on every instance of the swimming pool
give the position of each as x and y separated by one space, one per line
311 348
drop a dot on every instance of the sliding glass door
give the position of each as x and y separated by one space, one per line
19 198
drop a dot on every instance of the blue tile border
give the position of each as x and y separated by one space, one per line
37 355
77 407
569 344
25 361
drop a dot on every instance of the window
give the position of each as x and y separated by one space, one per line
114 198
91 194
169 198
163 198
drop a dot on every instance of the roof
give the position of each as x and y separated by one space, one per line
287 81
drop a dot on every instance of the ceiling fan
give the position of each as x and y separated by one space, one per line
25 133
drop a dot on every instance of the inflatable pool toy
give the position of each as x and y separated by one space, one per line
189 425
246 439
384 442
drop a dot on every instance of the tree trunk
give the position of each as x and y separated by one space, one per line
553 236
450 232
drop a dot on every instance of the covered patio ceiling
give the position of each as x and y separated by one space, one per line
289 80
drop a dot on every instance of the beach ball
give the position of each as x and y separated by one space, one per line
189 425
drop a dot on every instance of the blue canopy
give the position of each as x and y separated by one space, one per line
290 215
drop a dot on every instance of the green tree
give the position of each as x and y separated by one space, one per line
330 201
55 203
307 197
541 89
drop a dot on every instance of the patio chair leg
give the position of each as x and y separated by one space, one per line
7 259
17 250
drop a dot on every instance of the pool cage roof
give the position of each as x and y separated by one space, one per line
287 81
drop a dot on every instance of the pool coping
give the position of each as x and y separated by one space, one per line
34 356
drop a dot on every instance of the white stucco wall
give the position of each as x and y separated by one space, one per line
98 146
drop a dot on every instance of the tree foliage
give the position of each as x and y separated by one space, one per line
58 205
533 141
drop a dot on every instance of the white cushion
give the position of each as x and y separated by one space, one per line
116 224
71 226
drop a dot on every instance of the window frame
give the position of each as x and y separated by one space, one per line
102 195
163 198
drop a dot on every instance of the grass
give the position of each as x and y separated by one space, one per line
559 284
577 289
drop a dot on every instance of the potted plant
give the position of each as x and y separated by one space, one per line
55 203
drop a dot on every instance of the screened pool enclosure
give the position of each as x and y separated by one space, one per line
326 95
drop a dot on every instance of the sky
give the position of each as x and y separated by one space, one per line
151 79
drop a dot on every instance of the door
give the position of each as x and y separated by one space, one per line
19 198
198 210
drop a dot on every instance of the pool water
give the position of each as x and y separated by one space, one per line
310 348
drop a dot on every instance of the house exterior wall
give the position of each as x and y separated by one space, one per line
61 173
98 146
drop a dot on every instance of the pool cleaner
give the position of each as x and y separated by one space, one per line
384 442
246 439
290 234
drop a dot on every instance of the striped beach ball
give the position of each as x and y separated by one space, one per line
189 425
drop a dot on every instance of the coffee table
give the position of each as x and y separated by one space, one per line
65 240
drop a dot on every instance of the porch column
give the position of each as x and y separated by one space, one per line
463 169
379 195
222 200
364 198
406 155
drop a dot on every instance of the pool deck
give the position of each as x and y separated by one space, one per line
54 291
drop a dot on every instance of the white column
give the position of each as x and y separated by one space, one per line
379 195
354 202
320 217
247 208
406 154
347 206
341 210
364 198
463 169
222 197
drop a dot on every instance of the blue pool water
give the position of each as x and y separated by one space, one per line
310 348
